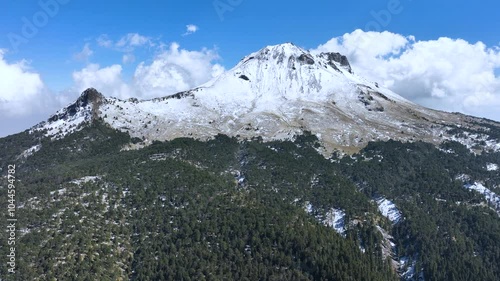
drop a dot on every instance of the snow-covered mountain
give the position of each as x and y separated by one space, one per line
275 93
406 203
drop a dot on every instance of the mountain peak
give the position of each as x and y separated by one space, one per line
90 98
279 52
289 55
285 48
71 118
90 95
275 93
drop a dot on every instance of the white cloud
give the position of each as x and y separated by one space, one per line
24 98
104 41
107 80
127 43
447 74
20 88
128 58
175 70
190 29
84 54
133 40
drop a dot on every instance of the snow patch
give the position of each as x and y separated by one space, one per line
30 151
407 269
447 151
492 167
86 179
389 210
463 178
59 192
491 197
308 208
335 218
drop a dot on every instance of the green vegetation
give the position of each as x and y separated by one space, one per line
230 210
454 237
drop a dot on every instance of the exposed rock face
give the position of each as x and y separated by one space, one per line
92 96
244 77
339 58
306 58
89 97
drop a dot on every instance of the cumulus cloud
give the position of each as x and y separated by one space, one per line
175 70
171 71
447 74
84 54
24 98
20 88
108 80
190 29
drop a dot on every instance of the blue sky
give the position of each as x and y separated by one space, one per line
226 30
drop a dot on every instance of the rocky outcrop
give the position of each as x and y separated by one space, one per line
89 96
306 58
339 58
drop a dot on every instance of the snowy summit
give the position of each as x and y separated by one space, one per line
277 92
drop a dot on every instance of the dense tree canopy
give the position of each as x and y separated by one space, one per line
231 210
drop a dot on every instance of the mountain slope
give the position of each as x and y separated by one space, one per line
236 180
251 210
275 93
